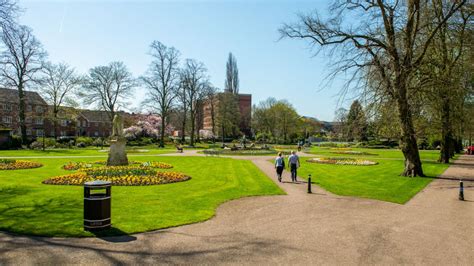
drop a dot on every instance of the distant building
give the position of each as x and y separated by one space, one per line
245 109
70 122
36 110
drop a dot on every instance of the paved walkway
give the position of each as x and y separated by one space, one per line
299 228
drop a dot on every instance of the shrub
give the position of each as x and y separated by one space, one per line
35 145
87 141
81 145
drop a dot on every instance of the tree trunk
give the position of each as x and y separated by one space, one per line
183 128
162 136
55 124
193 124
22 105
446 135
408 143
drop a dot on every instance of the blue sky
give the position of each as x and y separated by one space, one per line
90 33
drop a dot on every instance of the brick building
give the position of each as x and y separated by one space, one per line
70 122
245 109
36 112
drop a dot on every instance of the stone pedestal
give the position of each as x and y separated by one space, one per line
117 153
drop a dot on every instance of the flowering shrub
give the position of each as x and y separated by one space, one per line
119 176
7 164
342 161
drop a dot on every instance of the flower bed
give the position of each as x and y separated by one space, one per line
119 176
353 152
342 161
85 165
240 152
8 164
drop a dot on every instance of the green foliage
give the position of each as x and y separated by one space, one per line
88 141
278 119
356 123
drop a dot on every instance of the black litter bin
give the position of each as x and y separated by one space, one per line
97 197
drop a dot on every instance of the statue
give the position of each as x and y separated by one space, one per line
117 152
117 126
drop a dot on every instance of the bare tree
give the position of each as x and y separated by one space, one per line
211 98
232 75
195 81
108 87
162 81
387 41
58 84
182 98
8 12
20 63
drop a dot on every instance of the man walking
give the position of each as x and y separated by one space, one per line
294 162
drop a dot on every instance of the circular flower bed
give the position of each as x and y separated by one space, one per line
119 176
8 164
342 161
84 165
354 152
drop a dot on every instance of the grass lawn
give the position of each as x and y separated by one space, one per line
381 182
29 207
379 153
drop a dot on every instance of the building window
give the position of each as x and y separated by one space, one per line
97 124
63 133
39 109
39 132
7 119
39 121
63 123
96 133
29 108
4 106
84 124
28 132
28 119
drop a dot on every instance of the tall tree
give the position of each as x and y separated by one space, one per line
227 118
108 87
232 75
20 62
58 83
340 117
195 81
162 81
356 122
212 101
182 110
442 73
389 41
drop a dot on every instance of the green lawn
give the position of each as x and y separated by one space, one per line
379 153
29 207
381 182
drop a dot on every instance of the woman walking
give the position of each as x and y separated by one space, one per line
279 165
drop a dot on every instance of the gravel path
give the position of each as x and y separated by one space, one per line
299 228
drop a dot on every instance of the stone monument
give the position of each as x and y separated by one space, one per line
117 153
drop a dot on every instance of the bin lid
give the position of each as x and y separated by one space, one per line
98 183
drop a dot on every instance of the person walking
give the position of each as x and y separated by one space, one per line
279 166
294 162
